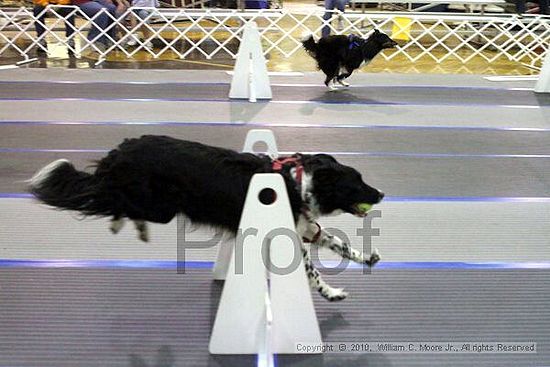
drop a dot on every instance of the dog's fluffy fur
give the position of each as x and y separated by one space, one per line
338 56
153 178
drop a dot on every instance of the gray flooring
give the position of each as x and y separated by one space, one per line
348 140
141 317
459 162
275 114
413 136
279 113
381 95
439 231
216 76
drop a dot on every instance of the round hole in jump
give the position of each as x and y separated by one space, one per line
267 196
259 147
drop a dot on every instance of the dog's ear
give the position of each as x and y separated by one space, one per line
324 168
319 160
326 176
376 31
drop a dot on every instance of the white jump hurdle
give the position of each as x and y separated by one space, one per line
257 316
253 137
543 84
265 136
250 80
242 324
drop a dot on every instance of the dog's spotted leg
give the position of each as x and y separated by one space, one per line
331 86
344 74
116 224
330 79
317 283
343 83
312 232
143 232
345 250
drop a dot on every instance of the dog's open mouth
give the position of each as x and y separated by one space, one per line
361 209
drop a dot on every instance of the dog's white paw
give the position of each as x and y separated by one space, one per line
144 236
143 231
116 225
333 294
343 83
374 257
332 87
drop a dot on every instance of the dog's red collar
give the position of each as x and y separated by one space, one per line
316 236
294 161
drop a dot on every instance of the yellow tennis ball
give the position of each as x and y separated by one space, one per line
364 207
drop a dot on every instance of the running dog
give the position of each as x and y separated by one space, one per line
153 178
339 56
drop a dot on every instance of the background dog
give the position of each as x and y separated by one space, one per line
153 178
339 56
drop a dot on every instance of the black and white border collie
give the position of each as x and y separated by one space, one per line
153 178
338 56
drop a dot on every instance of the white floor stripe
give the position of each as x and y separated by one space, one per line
277 73
512 78
28 61
8 67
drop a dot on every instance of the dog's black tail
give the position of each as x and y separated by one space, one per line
310 45
60 185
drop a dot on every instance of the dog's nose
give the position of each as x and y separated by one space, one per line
380 196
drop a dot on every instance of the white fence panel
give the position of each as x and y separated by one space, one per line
204 33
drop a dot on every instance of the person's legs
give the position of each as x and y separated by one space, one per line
91 8
120 12
133 36
520 6
68 14
329 6
143 14
341 5
133 20
111 8
543 6
40 15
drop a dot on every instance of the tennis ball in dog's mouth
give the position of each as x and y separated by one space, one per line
364 207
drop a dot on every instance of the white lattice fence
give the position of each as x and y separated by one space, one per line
185 33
